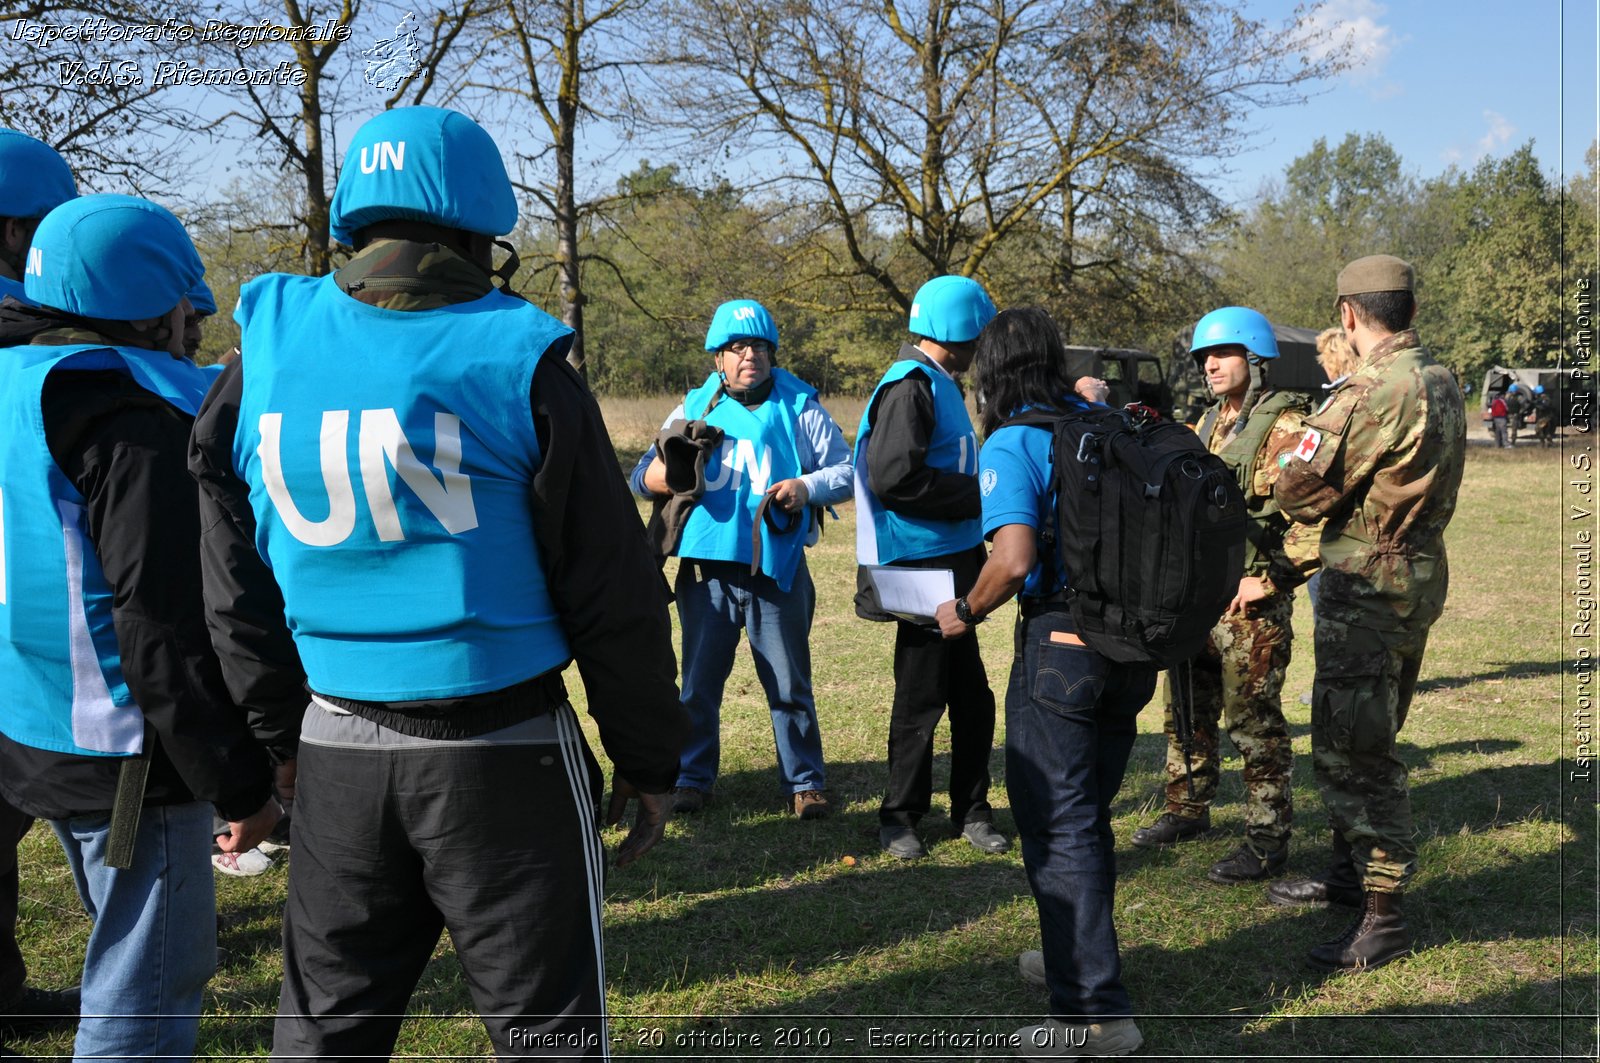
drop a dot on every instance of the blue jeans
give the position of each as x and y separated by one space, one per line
1070 725
154 943
715 600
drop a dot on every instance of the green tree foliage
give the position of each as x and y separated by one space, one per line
1333 205
1493 293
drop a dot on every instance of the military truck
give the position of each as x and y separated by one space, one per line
1132 375
1573 400
1295 369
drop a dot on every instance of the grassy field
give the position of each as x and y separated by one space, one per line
746 923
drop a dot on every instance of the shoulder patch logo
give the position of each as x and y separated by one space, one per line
988 481
1308 445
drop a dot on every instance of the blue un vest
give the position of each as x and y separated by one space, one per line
953 448
390 456
759 448
61 681
14 289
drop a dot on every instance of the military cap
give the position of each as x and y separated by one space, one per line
1377 273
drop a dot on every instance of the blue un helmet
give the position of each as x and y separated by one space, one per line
741 318
425 164
119 258
200 297
1512 389
1538 389
1235 326
34 180
950 309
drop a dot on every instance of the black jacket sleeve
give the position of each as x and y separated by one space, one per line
244 608
123 449
897 458
605 584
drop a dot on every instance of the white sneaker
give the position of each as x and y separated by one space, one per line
247 864
1031 963
1054 1039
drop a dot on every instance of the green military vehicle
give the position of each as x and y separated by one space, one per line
1132 375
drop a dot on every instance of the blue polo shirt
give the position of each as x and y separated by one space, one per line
1016 481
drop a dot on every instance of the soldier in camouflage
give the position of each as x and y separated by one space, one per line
1381 463
1238 677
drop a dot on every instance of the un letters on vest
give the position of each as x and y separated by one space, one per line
1149 529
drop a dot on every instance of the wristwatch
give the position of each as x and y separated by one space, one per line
964 613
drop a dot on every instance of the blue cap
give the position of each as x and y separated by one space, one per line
201 299
426 164
950 309
34 180
114 257
1235 326
740 318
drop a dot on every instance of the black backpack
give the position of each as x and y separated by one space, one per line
1149 529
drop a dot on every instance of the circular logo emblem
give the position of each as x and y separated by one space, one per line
990 478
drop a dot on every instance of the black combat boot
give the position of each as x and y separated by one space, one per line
1377 936
1170 829
1337 884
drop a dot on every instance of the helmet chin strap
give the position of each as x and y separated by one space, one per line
508 268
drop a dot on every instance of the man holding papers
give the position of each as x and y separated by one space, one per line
920 542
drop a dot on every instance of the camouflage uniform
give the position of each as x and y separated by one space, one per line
1238 677
1381 462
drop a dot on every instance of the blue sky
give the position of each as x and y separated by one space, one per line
1446 82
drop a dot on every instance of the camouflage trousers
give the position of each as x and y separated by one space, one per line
1365 681
1238 681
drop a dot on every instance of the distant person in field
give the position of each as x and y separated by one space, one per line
742 470
1516 410
1545 410
1497 420
1381 463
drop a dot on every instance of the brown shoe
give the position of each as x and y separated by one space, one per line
1377 936
811 804
687 800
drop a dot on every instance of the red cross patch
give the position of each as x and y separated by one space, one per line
1308 445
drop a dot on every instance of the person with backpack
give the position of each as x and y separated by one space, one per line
917 487
1545 412
1071 711
1238 676
1381 463
1516 410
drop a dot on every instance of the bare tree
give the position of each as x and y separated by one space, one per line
951 125
82 77
567 63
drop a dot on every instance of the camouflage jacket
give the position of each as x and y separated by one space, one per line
1381 461
1284 553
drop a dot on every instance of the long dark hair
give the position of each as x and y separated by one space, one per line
1020 363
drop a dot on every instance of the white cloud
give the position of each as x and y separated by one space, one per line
1499 134
1354 23
1496 136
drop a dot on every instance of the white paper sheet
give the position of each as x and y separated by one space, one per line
913 593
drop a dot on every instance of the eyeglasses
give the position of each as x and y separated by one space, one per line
752 347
